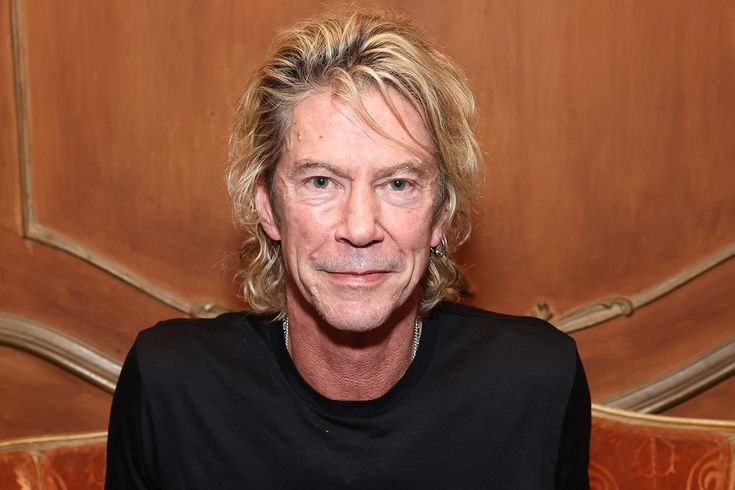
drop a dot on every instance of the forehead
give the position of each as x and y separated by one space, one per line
325 128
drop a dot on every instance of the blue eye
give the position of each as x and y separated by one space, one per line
398 185
320 182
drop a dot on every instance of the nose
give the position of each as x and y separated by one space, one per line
360 224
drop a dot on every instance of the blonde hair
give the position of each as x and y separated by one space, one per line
348 52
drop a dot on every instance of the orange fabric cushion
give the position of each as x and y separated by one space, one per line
18 471
632 456
76 466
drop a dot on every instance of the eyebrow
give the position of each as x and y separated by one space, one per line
417 168
302 167
414 167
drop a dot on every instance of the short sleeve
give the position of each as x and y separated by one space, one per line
574 446
130 447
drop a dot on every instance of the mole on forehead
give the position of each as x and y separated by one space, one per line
299 136
304 134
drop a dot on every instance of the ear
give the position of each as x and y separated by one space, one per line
265 211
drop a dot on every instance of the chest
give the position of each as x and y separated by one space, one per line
233 442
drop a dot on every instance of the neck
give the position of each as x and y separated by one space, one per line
351 365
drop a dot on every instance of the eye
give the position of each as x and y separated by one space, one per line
320 182
398 184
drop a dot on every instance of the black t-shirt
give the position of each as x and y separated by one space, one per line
490 401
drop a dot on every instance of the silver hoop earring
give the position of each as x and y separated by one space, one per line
441 249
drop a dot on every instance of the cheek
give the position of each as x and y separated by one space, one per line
412 230
306 228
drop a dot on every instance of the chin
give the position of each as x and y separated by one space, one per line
353 316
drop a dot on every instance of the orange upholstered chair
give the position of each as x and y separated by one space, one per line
73 462
635 451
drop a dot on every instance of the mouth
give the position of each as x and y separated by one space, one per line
358 278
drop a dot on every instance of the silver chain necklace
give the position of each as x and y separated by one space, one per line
414 347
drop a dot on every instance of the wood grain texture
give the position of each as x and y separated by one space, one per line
715 403
609 136
61 291
141 113
630 350
39 398
61 349
9 177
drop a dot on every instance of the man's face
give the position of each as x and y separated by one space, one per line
355 209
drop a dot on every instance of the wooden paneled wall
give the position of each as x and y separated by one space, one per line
608 128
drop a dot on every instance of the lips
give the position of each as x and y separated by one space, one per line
358 272
358 278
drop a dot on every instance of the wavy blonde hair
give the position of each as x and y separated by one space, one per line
347 52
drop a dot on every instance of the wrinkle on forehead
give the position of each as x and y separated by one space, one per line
364 120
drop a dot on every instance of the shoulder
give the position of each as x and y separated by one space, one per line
516 340
190 333
188 329
455 315
183 345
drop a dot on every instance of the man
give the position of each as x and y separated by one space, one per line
353 164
